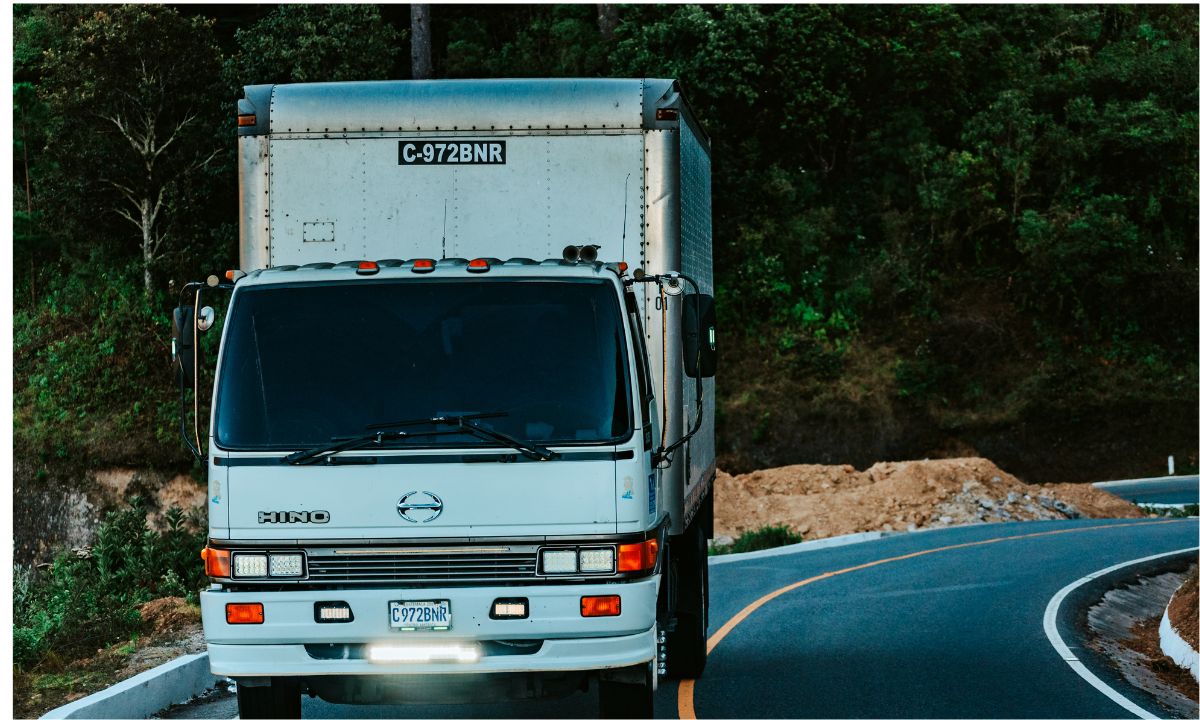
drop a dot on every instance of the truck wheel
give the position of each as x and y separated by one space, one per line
628 700
687 646
280 699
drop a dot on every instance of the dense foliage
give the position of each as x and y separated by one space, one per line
938 228
89 598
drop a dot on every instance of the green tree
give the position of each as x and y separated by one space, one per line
316 43
134 97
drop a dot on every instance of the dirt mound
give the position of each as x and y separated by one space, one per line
1184 611
825 500
169 615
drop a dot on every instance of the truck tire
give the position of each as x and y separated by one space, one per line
628 700
280 699
687 645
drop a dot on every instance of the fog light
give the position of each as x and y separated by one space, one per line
423 653
600 605
560 561
510 609
249 565
333 611
291 565
596 560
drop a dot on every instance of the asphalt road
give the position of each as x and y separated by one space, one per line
1178 490
943 623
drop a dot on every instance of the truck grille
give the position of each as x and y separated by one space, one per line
423 566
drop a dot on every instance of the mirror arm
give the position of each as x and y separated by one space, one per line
196 370
663 454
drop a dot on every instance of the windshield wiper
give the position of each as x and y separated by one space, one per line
304 457
463 423
341 444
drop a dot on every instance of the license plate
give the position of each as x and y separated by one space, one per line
419 614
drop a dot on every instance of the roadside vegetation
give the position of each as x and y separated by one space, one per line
1184 511
88 598
763 538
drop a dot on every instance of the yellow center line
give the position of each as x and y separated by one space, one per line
687 706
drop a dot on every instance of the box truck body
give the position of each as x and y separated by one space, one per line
455 451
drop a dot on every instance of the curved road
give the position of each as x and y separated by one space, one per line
942 623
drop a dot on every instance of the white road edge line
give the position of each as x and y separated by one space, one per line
1050 627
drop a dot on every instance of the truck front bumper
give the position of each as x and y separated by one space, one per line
554 638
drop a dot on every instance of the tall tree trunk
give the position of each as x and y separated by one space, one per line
147 247
422 47
607 18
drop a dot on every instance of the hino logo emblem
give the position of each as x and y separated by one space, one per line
420 506
320 517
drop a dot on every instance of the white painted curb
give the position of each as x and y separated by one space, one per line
145 693
1175 647
1050 627
797 548
1119 483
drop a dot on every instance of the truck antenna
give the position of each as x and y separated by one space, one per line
445 205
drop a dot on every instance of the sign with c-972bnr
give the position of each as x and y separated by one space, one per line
453 152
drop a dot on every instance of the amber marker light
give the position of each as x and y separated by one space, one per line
216 562
247 120
600 605
244 613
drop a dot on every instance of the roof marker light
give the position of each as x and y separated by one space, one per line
247 121
368 267
478 265
666 114
422 266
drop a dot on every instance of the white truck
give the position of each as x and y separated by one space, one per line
461 438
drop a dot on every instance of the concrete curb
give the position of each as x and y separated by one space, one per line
1119 483
1175 647
145 693
797 548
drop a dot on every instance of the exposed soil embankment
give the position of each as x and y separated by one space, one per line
1184 610
825 500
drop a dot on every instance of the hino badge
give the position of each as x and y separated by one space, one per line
461 441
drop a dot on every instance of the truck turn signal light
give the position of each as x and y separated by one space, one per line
638 556
244 613
600 605
216 562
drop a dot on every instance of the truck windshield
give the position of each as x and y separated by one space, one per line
305 363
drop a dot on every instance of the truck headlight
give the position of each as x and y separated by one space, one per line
249 565
560 561
596 560
287 565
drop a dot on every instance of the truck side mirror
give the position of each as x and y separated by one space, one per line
699 335
183 351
